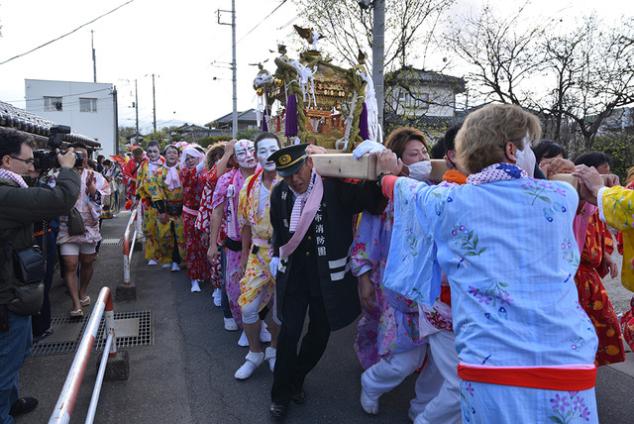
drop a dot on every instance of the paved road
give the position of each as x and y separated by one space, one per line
186 376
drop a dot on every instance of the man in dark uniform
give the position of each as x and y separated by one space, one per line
312 221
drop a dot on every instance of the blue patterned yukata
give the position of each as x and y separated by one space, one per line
506 244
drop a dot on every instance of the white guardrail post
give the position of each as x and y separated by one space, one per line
68 396
133 232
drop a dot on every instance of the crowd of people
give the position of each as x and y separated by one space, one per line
487 283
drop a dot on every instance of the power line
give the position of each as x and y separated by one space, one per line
262 21
255 27
66 34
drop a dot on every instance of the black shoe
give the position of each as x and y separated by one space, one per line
44 335
278 411
23 406
299 397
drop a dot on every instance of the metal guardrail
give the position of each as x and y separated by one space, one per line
68 397
129 240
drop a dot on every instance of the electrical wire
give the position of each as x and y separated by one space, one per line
66 34
262 21
253 28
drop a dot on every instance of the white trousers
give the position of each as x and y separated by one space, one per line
388 373
444 406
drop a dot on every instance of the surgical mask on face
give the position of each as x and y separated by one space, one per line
525 158
244 153
266 148
420 170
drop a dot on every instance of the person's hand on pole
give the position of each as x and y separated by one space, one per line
590 183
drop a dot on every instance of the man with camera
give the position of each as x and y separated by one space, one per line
21 270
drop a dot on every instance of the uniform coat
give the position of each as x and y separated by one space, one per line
329 238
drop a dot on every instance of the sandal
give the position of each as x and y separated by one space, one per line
77 313
85 301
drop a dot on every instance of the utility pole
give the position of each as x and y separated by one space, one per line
94 56
378 36
115 107
234 67
136 106
153 104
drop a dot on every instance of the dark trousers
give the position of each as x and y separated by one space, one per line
15 346
291 368
226 309
42 321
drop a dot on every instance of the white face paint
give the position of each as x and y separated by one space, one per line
153 153
266 148
245 154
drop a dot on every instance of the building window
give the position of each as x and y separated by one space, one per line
87 104
52 104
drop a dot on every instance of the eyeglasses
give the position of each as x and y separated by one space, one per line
29 161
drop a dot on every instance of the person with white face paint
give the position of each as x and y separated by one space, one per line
193 180
170 225
257 287
149 177
225 209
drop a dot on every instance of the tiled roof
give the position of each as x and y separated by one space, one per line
20 119
410 74
247 115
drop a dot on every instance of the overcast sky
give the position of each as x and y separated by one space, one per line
179 42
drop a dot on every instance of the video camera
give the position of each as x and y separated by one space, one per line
47 159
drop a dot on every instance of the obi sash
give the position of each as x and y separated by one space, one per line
563 377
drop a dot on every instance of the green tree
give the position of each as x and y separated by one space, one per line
621 149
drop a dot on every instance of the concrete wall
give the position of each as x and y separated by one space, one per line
99 124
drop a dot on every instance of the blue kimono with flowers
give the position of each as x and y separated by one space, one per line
507 246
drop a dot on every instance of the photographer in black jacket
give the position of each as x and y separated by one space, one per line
21 270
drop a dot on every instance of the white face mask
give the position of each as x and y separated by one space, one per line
420 170
526 158
266 148
244 153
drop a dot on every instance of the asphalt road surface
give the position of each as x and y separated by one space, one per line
186 375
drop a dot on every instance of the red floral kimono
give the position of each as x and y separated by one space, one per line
196 245
593 296
203 222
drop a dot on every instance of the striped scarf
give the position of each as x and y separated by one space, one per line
300 202
7 175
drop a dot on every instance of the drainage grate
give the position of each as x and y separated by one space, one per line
132 329
111 242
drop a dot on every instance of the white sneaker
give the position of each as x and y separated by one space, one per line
152 262
253 361
195 286
175 267
265 335
230 324
165 266
217 295
269 355
243 342
369 405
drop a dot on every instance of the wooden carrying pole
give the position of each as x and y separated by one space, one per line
344 165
